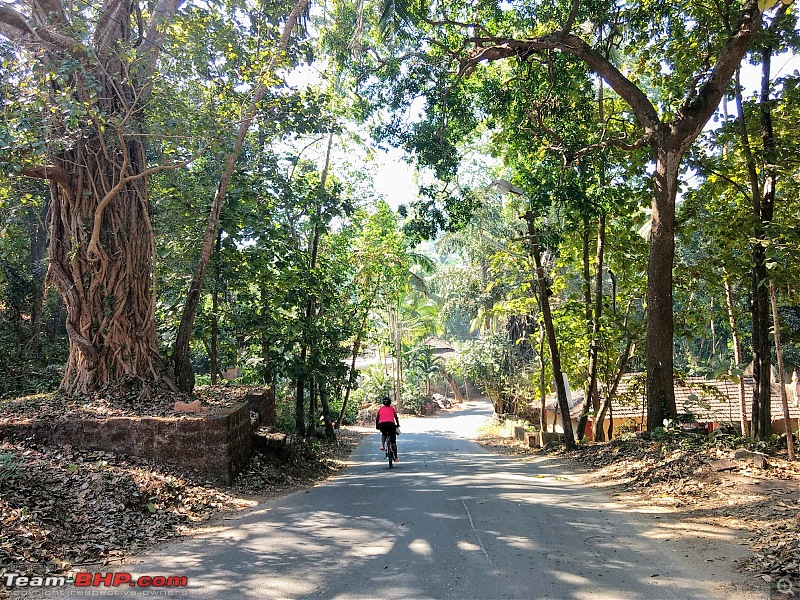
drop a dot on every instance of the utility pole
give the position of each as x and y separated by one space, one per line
555 359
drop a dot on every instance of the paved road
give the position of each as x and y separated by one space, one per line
450 521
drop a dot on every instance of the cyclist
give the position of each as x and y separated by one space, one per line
387 421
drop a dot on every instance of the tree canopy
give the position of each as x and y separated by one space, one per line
597 193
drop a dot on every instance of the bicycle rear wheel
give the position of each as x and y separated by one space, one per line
390 455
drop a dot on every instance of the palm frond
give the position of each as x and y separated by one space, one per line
394 13
424 262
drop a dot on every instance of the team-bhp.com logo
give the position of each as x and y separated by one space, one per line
93 580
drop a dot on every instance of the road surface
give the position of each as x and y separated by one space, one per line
451 520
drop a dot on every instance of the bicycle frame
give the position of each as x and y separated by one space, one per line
391 449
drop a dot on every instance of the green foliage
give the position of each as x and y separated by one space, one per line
420 368
33 346
673 436
28 373
484 361
716 240
9 465
285 410
373 384
350 414
413 400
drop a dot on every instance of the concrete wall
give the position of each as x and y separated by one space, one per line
217 445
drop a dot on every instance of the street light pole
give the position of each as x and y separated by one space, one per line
555 358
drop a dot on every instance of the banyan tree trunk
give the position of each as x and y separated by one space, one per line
101 63
107 290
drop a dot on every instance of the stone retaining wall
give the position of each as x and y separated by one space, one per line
533 439
217 445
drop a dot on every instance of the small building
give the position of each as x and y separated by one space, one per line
552 411
707 403
440 347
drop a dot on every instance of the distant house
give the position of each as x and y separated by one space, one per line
371 357
711 403
553 412
440 347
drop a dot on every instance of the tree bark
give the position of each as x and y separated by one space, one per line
761 350
313 397
763 215
598 308
587 306
101 244
299 399
213 355
590 393
307 341
330 433
108 298
453 386
542 385
660 385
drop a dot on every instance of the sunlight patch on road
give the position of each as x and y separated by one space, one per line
650 510
376 549
667 531
468 546
420 546
284 587
572 578
532 498
444 516
518 541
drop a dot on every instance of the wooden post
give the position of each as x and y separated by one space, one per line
779 352
737 355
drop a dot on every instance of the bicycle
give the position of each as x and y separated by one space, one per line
391 449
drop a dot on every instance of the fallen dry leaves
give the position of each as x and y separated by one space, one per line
62 508
59 505
124 399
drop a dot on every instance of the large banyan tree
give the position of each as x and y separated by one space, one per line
80 78
82 74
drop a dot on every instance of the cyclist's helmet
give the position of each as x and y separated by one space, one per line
386 401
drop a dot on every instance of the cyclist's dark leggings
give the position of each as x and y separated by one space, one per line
389 429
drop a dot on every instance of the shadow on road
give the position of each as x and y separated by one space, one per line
450 521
